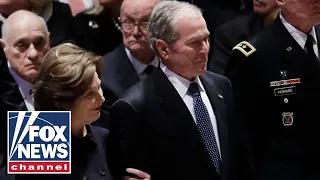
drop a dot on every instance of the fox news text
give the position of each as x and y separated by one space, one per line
39 142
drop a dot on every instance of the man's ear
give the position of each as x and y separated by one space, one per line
2 44
163 49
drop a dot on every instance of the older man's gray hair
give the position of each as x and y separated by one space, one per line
163 21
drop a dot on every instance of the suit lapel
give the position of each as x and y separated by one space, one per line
317 28
13 99
177 112
127 74
10 94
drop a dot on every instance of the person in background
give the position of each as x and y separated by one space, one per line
100 24
61 23
240 29
69 80
218 12
276 82
131 61
178 123
25 41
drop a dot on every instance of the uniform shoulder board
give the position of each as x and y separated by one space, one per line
246 48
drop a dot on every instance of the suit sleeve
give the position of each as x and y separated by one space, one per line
127 143
241 72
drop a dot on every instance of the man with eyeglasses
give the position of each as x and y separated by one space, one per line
131 61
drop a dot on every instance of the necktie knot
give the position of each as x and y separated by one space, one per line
194 89
149 69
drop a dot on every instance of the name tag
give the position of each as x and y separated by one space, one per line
285 91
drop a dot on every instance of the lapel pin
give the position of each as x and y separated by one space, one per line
289 48
220 96
283 74
286 100
93 24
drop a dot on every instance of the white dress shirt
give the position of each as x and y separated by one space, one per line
301 37
24 87
140 67
182 85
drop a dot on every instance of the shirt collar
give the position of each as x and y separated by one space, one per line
138 66
24 85
180 83
299 36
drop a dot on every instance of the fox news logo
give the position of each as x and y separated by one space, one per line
39 142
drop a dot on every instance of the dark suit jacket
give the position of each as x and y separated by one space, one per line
104 35
229 35
118 76
281 152
10 100
153 130
88 158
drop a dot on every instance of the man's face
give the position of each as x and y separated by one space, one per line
134 23
25 48
264 7
309 10
190 52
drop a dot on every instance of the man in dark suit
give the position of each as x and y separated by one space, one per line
24 46
244 28
58 17
277 75
127 64
178 123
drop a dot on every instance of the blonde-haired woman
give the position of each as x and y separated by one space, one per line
69 80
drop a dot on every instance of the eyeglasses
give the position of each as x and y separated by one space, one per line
129 25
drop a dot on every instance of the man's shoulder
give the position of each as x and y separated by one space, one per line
111 56
99 134
136 94
219 81
261 42
113 61
215 77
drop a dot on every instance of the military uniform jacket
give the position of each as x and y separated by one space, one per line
230 34
276 87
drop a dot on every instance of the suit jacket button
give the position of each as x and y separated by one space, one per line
84 177
102 172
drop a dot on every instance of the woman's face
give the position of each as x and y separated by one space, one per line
86 109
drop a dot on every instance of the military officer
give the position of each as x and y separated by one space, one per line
240 29
276 81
